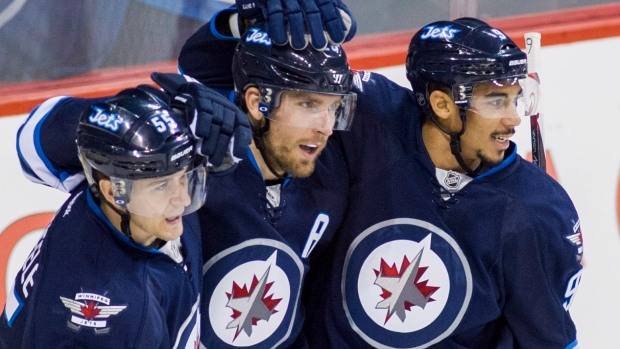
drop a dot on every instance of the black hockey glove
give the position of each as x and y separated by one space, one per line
300 22
222 128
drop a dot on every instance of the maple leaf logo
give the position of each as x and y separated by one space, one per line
249 305
402 289
90 311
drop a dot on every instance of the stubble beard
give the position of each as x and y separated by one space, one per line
487 162
284 160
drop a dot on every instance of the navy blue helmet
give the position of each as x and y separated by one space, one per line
457 55
274 69
134 135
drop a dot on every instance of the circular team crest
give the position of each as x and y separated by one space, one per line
251 292
406 284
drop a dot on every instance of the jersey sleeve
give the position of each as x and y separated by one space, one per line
382 129
541 263
46 144
207 54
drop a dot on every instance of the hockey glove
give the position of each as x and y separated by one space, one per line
222 128
318 22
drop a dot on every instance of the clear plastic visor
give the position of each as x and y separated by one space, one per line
513 97
175 195
311 110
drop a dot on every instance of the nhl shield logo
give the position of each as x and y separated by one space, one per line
452 180
252 291
401 276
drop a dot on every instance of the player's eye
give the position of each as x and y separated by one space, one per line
497 102
310 105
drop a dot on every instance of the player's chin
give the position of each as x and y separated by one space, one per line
173 228
303 169
493 158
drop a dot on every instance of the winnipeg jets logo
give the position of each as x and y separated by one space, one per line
433 32
89 310
396 286
403 278
251 305
256 299
110 121
258 37
403 290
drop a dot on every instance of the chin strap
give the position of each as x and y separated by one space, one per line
258 134
125 218
455 143
125 215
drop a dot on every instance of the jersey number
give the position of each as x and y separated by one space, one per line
571 289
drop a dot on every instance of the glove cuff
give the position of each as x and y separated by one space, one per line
225 25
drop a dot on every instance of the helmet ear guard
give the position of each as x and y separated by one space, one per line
121 190
263 108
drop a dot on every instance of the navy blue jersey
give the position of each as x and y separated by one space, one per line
257 254
427 257
259 244
86 285
433 258
256 250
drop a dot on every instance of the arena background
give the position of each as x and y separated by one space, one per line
94 48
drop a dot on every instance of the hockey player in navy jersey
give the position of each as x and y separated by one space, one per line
280 207
451 239
119 266
269 215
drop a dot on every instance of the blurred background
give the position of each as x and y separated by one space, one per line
97 47
43 40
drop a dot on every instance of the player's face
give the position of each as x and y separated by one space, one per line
163 201
491 121
294 149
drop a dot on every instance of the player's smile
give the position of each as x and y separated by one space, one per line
501 139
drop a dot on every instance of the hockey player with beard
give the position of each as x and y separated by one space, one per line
451 239
265 217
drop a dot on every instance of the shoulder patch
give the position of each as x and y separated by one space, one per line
91 310
576 239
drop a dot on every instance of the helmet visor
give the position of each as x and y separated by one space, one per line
305 109
513 97
175 195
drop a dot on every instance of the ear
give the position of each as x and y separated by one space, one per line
252 102
442 104
105 189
